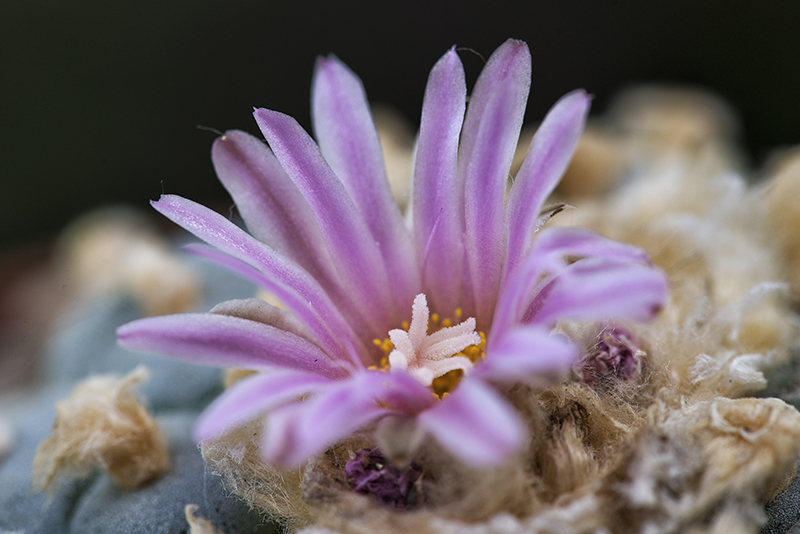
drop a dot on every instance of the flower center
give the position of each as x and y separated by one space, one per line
437 360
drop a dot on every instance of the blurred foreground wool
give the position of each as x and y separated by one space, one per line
103 425
781 210
116 250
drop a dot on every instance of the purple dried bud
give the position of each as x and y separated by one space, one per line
615 355
372 473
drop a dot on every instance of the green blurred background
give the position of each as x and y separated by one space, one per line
100 101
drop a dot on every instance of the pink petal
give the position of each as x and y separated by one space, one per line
550 153
403 393
547 254
475 424
223 341
353 251
436 209
296 432
525 354
594 289
293 286
270 204
349 142
488 143
252 396
345 329
553 244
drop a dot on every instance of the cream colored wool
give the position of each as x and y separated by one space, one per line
397 142
598 164
114 250
655 121
697 469
102 425
680 467
781 210
272 491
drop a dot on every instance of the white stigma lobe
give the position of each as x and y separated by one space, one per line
430 356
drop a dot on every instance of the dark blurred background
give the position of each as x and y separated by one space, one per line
100 101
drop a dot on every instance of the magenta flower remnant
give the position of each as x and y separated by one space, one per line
417 323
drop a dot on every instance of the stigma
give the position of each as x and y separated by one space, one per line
427 357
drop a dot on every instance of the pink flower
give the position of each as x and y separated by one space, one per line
330 242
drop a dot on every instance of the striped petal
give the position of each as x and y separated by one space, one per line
437 207
602 290
354 253
296 432
547 255
475 424
550 153
489 139
224 341
270 204
348 140
527 354
334 335
293 286
251 397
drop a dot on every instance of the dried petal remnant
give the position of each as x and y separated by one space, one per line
373 474
616 354
102 424
113 250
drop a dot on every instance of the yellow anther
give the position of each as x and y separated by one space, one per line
441 386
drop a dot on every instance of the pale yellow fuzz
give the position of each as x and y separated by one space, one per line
114 250
103 425
781 210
